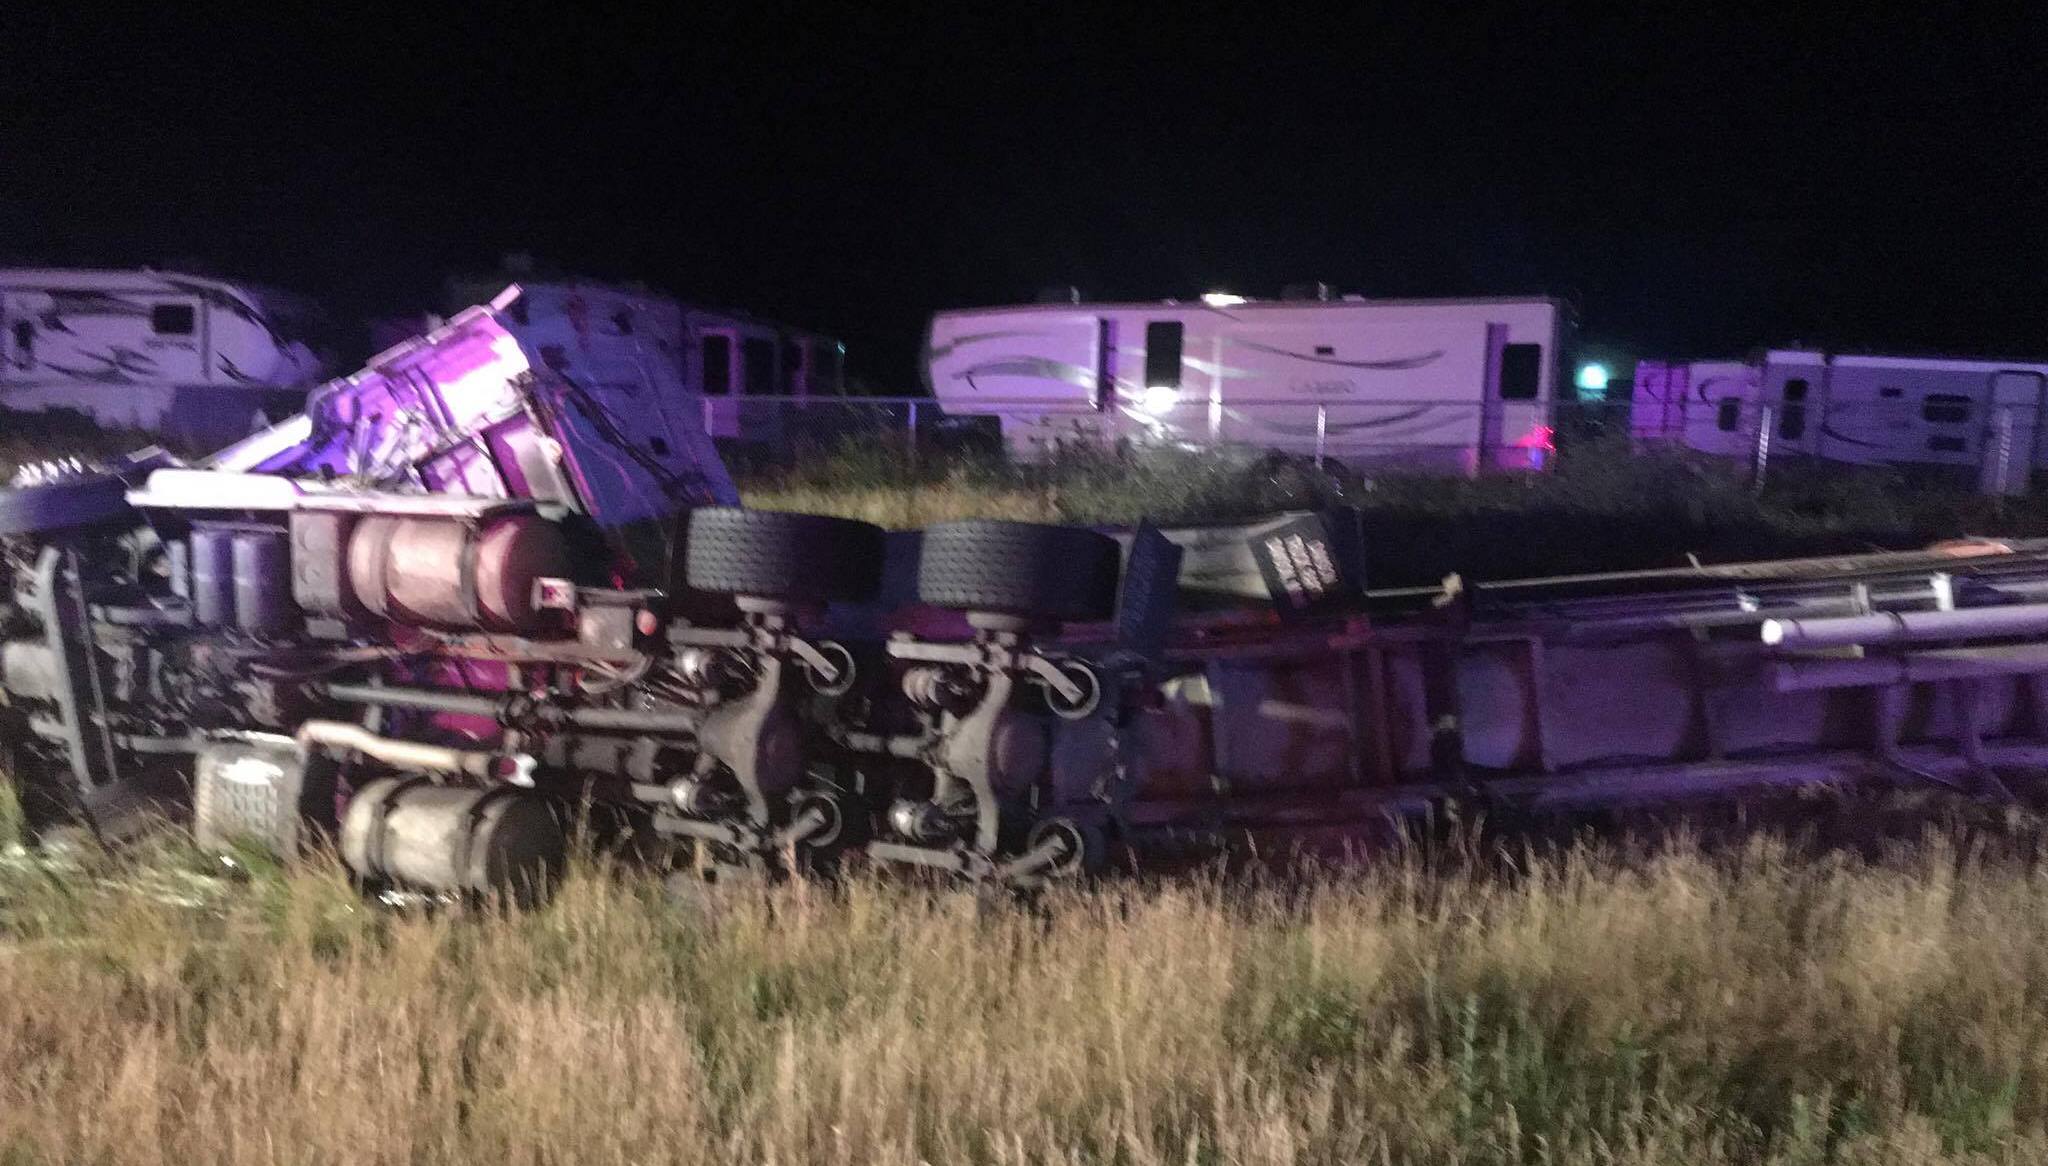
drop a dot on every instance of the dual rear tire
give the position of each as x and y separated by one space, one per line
1058 573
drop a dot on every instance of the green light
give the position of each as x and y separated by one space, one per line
1593 377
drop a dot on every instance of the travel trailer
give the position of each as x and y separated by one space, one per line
631 332
190 357
1981 416
1444 383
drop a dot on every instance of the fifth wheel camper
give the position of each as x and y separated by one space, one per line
1454 383
189 357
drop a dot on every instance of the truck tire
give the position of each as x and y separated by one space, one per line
69 502
1019 568
771 555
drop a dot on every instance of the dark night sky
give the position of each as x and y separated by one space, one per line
1696 183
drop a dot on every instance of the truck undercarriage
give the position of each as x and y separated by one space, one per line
467 594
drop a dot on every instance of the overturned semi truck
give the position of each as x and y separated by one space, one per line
466 596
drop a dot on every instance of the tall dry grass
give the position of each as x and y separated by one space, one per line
1603 1007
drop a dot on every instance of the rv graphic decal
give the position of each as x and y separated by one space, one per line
946 350
1329 388
1828 429
1029 366
1397 364
234 371
117 367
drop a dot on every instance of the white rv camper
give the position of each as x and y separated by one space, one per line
718 358
1447 383
1980 415
183 355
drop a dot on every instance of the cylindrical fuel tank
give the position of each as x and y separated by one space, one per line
263 581
431 837
447 573
213 577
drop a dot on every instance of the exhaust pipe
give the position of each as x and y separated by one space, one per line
511 768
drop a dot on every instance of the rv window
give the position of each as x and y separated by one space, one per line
791 380
1890 391
1162 354
1521 371
25 336
172 319
1729 414
717 365
1946 444
1945 408
757 366
1795 390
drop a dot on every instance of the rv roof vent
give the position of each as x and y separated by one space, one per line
1313 290
1059 295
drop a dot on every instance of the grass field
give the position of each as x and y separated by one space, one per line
1608 1002
1598 1005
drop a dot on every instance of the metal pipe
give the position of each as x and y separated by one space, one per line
427 700
516 768
1892 627
420 699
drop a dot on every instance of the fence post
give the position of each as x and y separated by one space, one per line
1762 459
912 434
1322 431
